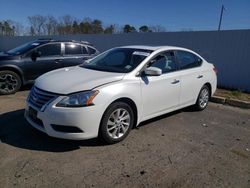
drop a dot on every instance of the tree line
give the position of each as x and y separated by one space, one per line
49 25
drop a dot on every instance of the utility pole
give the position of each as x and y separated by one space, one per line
221 15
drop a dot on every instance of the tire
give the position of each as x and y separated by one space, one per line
10 82
113 129
203 98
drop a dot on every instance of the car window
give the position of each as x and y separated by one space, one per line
72 49
115 59
84 50
50 49
188 60
165 61
121 60
91 50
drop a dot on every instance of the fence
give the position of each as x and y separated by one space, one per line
229 51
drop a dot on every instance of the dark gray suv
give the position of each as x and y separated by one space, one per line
22 65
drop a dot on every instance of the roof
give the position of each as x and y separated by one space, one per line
45 40
153 48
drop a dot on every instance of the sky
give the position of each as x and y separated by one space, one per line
174 15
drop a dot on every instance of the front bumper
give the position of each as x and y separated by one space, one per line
86 119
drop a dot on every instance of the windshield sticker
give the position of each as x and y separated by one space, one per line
35 44
141 53
128 66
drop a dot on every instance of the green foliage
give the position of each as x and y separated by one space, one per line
49 25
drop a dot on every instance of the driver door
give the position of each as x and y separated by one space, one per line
161 93
50 58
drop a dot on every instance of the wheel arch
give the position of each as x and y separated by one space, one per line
14 69
209 85
131 103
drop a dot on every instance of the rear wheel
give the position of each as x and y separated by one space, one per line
116 123
203 98
10 82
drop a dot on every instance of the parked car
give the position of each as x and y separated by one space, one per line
117 90
22 65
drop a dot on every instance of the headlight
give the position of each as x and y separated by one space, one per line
80 99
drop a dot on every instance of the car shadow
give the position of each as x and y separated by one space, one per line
158 118
26 87
15 131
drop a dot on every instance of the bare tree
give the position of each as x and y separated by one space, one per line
38 23
51 25
65 25
157 28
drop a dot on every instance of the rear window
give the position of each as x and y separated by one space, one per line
72 49
188 60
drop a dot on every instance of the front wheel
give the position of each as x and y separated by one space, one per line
203 98
10 82
116 123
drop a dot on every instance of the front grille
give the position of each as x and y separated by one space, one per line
38 97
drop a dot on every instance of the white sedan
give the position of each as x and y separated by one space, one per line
108 95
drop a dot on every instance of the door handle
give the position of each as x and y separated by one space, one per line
200 76
58 60
175 81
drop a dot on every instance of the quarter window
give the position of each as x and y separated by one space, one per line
72 49
50 50
91 50
165 61
188 60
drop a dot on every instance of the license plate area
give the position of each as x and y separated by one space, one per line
32 113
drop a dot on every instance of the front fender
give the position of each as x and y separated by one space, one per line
123 89
15 69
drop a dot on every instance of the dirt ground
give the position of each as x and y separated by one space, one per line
182 149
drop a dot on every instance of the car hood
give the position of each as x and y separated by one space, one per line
5 56
74 79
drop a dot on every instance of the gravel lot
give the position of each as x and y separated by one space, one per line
181 149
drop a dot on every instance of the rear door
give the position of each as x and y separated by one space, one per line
74 54
192 77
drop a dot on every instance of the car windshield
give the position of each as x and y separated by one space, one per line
122 60
23 48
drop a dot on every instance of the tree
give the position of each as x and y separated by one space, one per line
157 28
38 23
129 29
7 28
86 26
51 25
97 26
32 31
110 29
75 28
144 29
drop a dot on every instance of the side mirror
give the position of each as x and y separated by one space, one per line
152 71
35 55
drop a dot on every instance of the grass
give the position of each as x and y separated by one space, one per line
233 94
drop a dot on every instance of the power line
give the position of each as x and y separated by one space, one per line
221 15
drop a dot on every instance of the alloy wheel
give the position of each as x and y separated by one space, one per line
204 97
118 123
8 83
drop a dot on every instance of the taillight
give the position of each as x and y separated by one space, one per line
215 70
